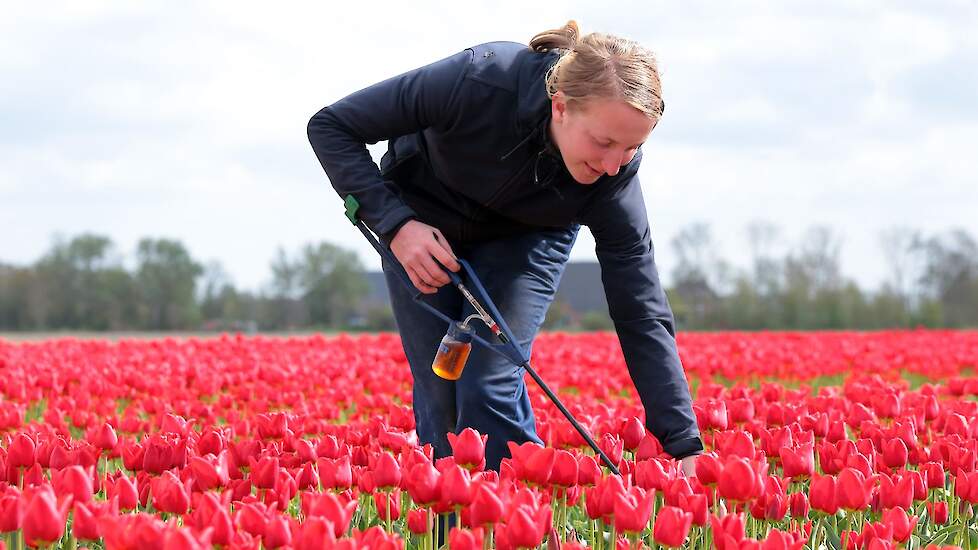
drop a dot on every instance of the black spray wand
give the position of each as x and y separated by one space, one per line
489 315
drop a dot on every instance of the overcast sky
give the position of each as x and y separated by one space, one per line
187 120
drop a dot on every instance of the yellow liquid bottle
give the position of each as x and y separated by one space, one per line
453 352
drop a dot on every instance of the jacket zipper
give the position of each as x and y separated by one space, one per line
509 183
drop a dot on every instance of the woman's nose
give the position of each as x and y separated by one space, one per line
611 163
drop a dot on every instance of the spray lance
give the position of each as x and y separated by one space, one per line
453 351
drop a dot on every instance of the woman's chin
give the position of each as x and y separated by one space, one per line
586 176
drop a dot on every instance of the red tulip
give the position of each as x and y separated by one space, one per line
469 449
336 509
613 446
708 469
419 521
105 438
728 532
335 473
799 505
588 471
532 462
133 455
564 472
896 491
386 471
44 518
887 405
738 443
853 490
209 471
388 505
671 527
273 426
919 485
20 454
264 472
633 510
124 489
822 494
455 486
697 506
487 507
74 481
277 532
422 483
776 439
895 453
741 410
170 494
675 489
11 512
211 513
307 477
83 524
938 512
901 525
781 540
632 433
212 442
934 474
464 539
253 518
131 531
315 533
739 482
799 462
157 455
648 448
525 527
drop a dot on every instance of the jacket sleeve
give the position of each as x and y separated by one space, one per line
422 98
641 313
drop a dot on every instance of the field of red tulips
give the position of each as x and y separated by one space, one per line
815 440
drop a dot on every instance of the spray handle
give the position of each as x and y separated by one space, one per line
456 280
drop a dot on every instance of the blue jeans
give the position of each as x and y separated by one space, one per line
521 275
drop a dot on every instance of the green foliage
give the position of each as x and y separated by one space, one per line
81 284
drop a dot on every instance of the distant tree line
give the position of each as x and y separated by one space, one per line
931 281
83 283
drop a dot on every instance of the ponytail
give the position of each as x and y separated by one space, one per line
601 66
564 38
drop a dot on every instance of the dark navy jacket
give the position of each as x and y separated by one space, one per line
469 153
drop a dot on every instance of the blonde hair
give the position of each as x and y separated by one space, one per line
602 66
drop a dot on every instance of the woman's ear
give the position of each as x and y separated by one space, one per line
558 107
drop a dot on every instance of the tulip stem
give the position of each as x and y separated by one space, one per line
563 515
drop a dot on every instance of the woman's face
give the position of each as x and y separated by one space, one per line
598 137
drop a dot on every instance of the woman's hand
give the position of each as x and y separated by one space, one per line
688 465
417 245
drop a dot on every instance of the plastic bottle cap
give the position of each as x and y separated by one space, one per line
460 333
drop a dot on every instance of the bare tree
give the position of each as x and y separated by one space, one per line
763 237
819 256
951 276
903 253
699 259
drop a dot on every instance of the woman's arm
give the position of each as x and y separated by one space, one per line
641 313
422 98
